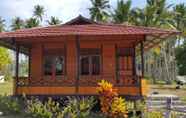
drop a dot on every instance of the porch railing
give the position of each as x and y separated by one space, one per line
128 80
83 81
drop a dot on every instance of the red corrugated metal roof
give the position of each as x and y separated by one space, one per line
88 29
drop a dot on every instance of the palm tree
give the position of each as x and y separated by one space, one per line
154 14
178 19
99 8
32 22
17 23
54 21
2 25
122 12
38 12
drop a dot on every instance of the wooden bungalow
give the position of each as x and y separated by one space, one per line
71 58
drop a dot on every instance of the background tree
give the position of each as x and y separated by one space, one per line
178 20
38 12
17 23
32 22
99 10
54 21
4 58
181 58
2 25
122 12
159 65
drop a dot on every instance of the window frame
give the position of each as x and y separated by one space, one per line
127 53
90 56
61 53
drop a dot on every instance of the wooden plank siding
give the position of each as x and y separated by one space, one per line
39 85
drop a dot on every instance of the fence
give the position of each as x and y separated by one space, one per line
167 103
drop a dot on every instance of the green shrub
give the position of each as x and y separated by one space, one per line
10 105
153 114
37 109
78 108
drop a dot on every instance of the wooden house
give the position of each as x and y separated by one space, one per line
71 58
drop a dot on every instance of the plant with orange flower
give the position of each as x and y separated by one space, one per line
112 105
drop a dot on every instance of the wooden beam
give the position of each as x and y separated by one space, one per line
29 64
78 62
16 69
142 59
117 64
134 60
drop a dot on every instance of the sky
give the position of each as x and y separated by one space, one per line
63 9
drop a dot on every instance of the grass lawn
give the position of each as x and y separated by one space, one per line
6 88
169 89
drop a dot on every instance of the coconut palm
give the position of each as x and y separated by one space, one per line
122 12
99 8
178 19
54 21
154 14
2 25
17 23
32 22
38 12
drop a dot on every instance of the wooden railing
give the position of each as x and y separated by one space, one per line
83 81
167 104
128 80
22 81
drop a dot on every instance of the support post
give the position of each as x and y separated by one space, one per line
134 61
29 64
16 69
142 58
78 62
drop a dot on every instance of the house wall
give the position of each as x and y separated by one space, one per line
108 47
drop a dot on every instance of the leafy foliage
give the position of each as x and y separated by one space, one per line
54 21
181 58
32 22
2 25
17 23
37 109
9 105
78 108
98 11
122 12
5 58
38 12
153 114
111 105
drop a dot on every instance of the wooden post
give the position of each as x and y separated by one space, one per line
134 61
168 112
78 62
16 69
142 59
29 64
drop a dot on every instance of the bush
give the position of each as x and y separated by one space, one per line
37 109
153 114
111 105
78 107
10 105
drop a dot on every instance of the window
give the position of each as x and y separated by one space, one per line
125 58
53 63
90 62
